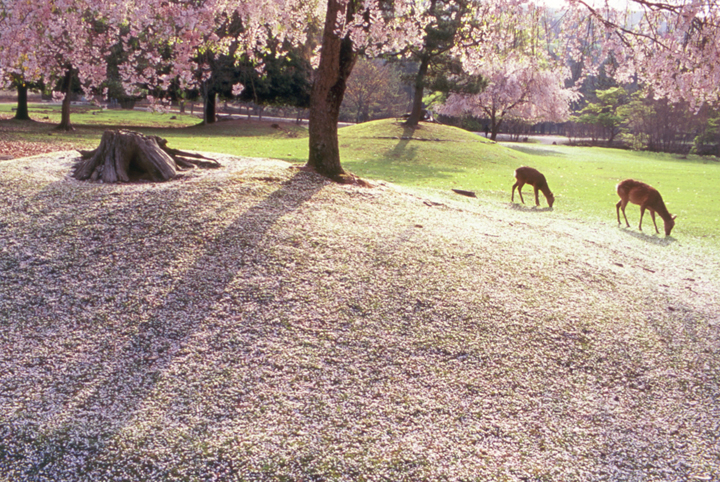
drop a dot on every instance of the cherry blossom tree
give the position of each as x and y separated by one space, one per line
605 114
671 46
518 89
175 42
337 59
164 45
351 26
64 40
169 35
166 40
19 65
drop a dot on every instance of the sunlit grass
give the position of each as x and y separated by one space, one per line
89 115
583 179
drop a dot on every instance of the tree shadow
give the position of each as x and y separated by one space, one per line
401 163
400 150
536 151
116 398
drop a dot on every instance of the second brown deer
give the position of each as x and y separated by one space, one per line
648 198
528 175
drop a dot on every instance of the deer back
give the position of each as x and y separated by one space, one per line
529 175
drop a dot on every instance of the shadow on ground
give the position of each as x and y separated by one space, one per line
654 238
528 209
113 399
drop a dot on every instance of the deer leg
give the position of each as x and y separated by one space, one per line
537 202
642 213
520 192
512 196
618 206
652 214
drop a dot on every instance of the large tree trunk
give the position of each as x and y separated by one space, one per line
337 59
417 108
209 111
65 112
125 156
22 104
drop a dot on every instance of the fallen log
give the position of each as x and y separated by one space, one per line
462 192
125 156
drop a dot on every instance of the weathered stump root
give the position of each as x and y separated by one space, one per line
124 156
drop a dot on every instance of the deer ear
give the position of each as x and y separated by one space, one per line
673 216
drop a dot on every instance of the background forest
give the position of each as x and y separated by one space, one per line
535 70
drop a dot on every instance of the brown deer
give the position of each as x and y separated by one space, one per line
528 175
647 197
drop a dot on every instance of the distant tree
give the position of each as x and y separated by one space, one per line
606 113
217 72
280 75
208 48
707 142
74 40
659 125
62 42
19 66
172 47
447 20
22 112
517 89
23 87
374 91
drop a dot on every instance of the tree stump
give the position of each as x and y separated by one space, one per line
125 156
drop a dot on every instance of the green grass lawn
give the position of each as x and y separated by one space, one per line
583 179
88 115
435 157
254 139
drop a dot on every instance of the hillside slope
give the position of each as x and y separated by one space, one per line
260 323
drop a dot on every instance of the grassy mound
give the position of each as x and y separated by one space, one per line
432 155
259 323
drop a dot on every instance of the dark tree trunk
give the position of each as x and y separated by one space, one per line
209 112
611 136
494 126
65 112
417 108
22 105
130 156
337 59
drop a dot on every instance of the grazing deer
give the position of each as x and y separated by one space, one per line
528 175
647 197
